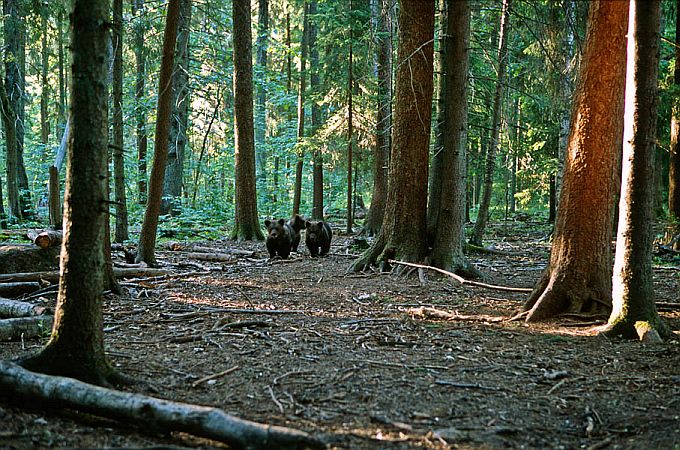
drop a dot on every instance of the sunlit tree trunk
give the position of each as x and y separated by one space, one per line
177 140
297 188
490 166
147 236
140 95
403 234
578 278
634 311
76 347
121 234
247 225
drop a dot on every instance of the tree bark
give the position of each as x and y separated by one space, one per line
147 236
578 278
314 84
247 225
490 166
403 235
121 230
45 238
350 128
9 119
674 162
76 347
262 46
297 189
634 312
140 95
13 308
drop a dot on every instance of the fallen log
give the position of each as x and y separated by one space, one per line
152 413
45 238
28 257
26 327
17 289
13 308
179 246
213 257
53 276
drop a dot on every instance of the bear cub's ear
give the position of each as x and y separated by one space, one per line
282 221
267 222
307 224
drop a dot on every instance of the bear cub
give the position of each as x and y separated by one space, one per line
296 223
279 238
318 238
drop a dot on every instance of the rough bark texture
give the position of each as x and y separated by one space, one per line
121 230
297 189
674 162
350 131
578 278
177 140
490 166
247 225
314 83
9 119
140 95
634 311
447 201
147 236
403 233
262 46
76 347
381 153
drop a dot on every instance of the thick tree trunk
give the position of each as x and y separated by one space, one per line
76 347
634 312
403 235
382 12
314 84
9 120
578 278
674 162
490 166
147 236
121 233
177 140
45 238
247 225
262 46
297 189
140 95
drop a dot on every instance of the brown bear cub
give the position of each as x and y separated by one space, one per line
318 238
296 223
279 238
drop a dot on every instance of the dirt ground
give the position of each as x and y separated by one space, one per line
300 343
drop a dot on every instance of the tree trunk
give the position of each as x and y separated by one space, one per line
177 140
314 84
674 162
297 189
247 225
578 278
44 94
147 236
140 96
350 130
490 166
262 44
403 234
448 204
634 312
9 119
121 234
76 347
382 12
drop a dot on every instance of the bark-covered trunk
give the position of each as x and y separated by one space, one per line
447 199
490 165
674 161
9 120
634 312
247 224
578 278
262 47
314 84
45 92
140 96
350 131
297 189
382 12
403 234
147 236
76 347
121 234
177 140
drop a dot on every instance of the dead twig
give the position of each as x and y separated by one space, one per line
439 314
215 375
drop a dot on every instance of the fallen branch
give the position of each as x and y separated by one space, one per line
213 257
155 414
44 238
14 308
178 247
26 327
462 280
17 289
53 276
215 375
439 314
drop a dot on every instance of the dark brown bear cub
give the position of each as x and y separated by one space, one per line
279 238
318 238
296 223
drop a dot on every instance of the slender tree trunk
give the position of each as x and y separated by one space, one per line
140 96
121 234
247 225
674 161
314 84
262 44
490 166
61 106
382 12
297 190
578 278
350 131
10 120
147 236
634 311
76 347
177 140
403 234
45 94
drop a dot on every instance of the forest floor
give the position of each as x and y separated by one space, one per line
348 358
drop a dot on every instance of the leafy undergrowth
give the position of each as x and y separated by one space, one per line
301 343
